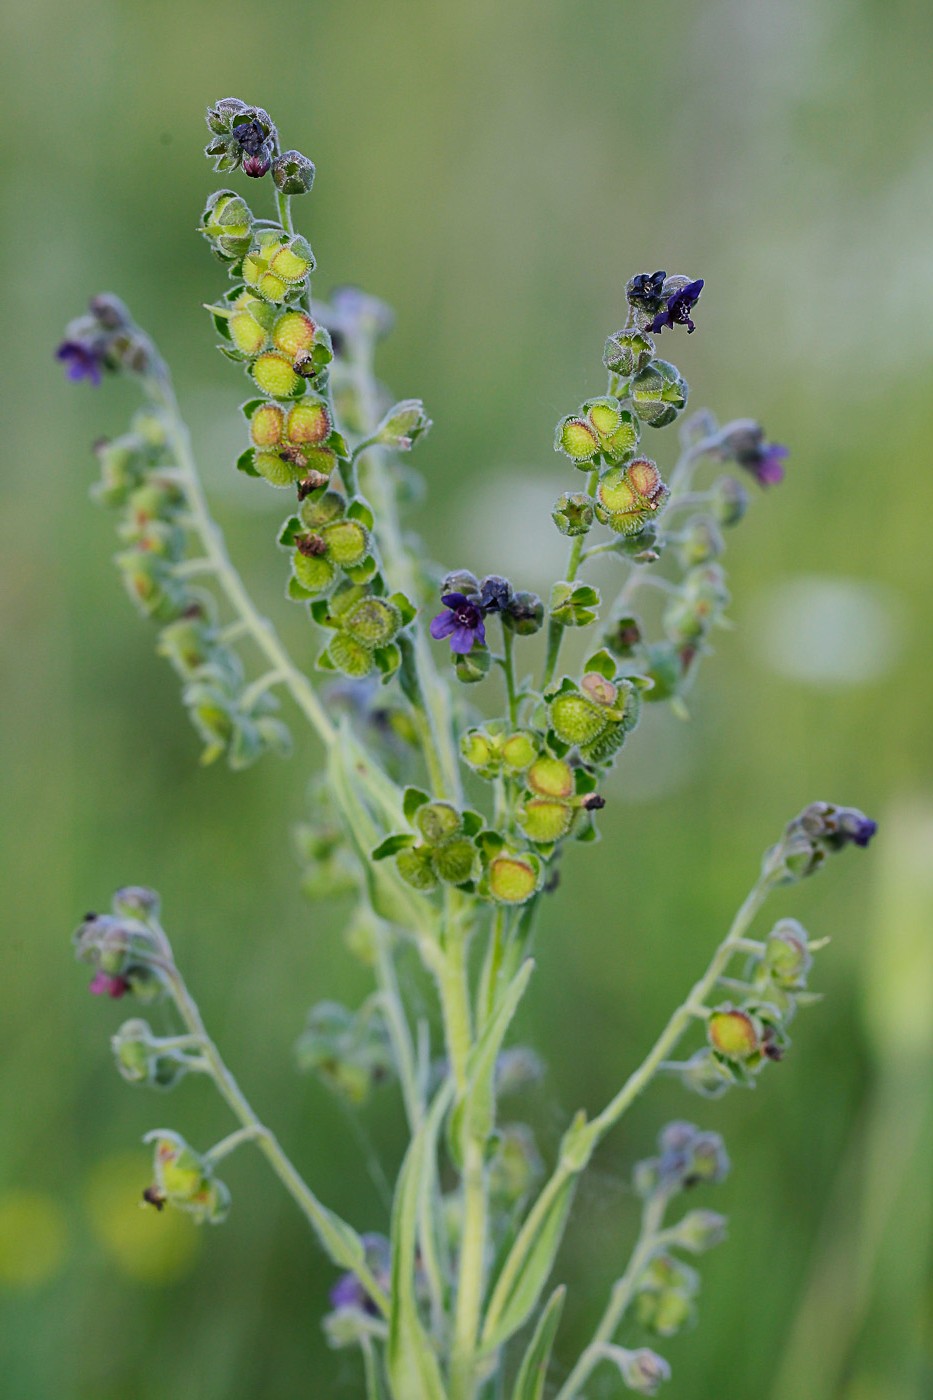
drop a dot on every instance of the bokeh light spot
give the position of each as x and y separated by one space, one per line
33 1238
148 1245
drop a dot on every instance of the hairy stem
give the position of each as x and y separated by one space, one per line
555 631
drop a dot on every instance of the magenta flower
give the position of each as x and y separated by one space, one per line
766 467
678 308
102 984
462 623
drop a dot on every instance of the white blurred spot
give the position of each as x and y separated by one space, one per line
518 538
830 631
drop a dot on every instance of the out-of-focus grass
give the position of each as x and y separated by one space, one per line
496 171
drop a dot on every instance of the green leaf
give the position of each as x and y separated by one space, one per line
249 408
398 841
296 591
291 529
602 663
244 463
472 823
359 510
412 800
532 1374
475 1115
405 606
388 659
528 1265
411 1364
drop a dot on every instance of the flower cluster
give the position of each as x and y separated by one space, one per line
441 823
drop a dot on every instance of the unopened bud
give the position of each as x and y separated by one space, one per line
658 393
698 1231
293 173
403 425
573 513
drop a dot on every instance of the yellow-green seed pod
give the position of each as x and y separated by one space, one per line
544 820
179 1171
577 439
350 656
624 440
518 750
277 470
551 777
313 571
328 507
512 879
438 822
733 1033
246 331
290 265
267 425
373 622
575 719
293 333
275 375
477 749
644 476
616 494
308 422
456 862
347 542
658 393
416 868
605 416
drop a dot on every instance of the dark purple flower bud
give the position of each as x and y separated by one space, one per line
495 593
257 166
84 359
462 623
251 136
646 292
679 305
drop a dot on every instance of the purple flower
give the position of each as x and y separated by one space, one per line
854 826
678 308
744 442
348 1292
103 984
462 623
646 291
85 359
766 466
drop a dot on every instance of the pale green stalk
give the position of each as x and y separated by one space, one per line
691 1009
555 631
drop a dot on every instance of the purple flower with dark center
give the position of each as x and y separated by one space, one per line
743 441
646 291
102 984
678 308
84 359
462 623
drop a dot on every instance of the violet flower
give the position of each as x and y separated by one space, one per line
678 308
462 623
84 359
348 1292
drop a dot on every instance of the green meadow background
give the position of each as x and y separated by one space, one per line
496 170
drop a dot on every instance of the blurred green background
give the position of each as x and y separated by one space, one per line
496 171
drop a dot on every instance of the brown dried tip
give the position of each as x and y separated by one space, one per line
293 454
312 482
153 1197
311 544
593 802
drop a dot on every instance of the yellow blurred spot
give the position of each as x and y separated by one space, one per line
33 1238
148 1245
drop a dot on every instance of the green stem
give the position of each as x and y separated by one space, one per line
229 581
331 1231
620 1299
492 967
471 1275
555 632
636 1083
508 666
398 1029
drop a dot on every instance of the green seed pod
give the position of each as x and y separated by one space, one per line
315 572
617 429
321 510
728 500
403 425
227 224
277 469
663 1313
249 324
456 861
478 750
513 879
551 777
573 513
274 375
627 497
187 643
474 666
293 173
416 868
373 622
350 656
518 750
577 439
627 352
699 1230
787 956
347 542
575 719
605 745
659 393
700 543
438 822
524 615
545 820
